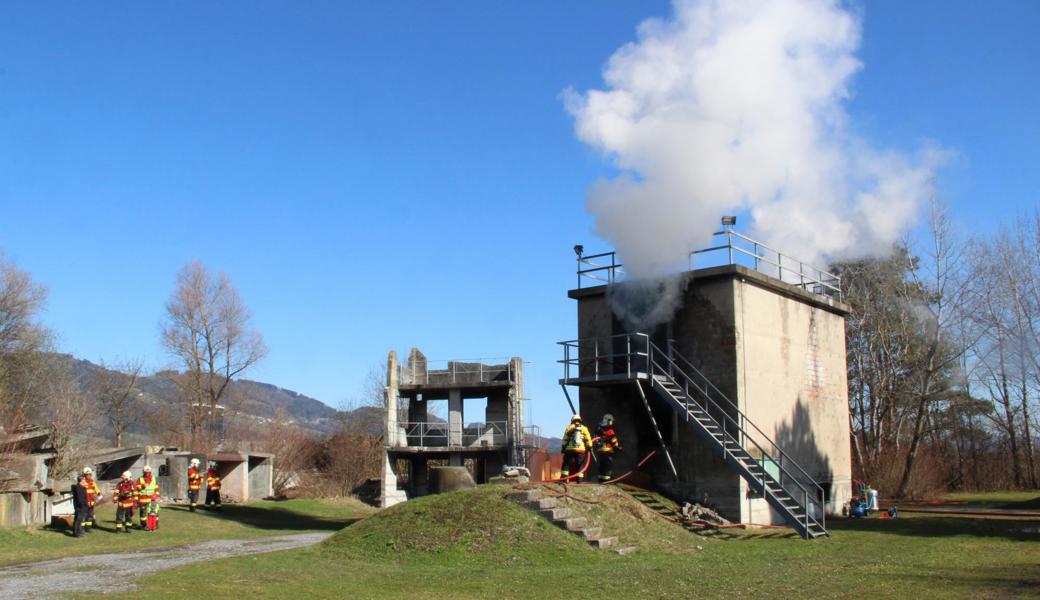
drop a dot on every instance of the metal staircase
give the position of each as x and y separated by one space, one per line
767 469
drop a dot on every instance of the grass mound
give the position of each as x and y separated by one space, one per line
475 522
636 516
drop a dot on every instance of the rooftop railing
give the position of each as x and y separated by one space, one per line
425 434
444 372
730 248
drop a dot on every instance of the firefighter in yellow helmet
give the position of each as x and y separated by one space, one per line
577 443
93 497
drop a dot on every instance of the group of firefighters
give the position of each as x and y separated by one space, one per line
578 443
142 495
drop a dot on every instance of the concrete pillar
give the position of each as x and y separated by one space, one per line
389 495
516 411
455 418
390 400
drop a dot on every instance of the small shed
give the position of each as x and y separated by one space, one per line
245 476
25 484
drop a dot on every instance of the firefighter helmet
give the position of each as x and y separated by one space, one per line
88 471
576 418
126 475
147 469
195 462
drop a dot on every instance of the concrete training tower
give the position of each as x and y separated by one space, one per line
416 438
743 391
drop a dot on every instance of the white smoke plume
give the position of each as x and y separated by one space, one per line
736 106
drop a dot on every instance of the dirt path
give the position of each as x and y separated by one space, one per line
106 573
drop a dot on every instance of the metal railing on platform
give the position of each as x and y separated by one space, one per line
425 434
730 248
447 372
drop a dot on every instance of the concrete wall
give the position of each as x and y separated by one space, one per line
18 509
261 477
792 384
234 480
778 354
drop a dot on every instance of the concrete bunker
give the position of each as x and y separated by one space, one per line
418 436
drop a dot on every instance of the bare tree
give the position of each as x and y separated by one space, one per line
22 344
115 393
208 331
295 451
942 275
71 417
1007 315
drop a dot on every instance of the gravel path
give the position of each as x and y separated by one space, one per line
106 573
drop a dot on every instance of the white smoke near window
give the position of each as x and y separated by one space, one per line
734 106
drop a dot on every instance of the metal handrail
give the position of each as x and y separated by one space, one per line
410 373
440 434
649 356
741 427
598 357
823 282
761 434
809 278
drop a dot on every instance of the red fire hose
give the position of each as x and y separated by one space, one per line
641 463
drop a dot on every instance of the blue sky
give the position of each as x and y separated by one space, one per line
382 176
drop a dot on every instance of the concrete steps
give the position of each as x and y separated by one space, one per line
564 518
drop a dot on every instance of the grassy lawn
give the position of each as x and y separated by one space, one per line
179 526
475 544
1029 500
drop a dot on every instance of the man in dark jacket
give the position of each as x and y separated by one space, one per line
79 504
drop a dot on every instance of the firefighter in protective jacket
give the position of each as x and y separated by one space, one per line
125 498
606 445
213 487
147 489
194 483
577 443
93 497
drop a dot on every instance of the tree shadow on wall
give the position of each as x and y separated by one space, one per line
798 441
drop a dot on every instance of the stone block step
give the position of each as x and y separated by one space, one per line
526 495
591 533
572 523
542 503
626 550
604 542
556 514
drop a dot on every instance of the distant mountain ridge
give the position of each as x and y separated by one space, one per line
261 401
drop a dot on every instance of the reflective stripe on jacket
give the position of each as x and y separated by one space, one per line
93 491
576 438
194 479
147 490
125 496
608 441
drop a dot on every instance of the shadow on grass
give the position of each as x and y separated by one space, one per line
272 518
937 527
1031 504
1017 581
